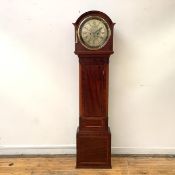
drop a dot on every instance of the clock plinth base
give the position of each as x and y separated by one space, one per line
93 149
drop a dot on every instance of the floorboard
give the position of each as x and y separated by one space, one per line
65 165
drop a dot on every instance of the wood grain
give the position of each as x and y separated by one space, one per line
65 165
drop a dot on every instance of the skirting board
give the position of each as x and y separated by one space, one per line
71 149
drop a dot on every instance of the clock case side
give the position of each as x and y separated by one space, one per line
107 49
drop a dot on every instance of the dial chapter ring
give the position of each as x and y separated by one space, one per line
85 44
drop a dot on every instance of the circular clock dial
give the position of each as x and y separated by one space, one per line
94 32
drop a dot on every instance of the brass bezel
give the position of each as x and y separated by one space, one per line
79 34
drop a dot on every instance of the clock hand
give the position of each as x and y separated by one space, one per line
98 30
96 33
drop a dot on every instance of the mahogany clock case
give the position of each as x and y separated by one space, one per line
93 133
107 49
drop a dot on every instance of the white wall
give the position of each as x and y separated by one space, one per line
39 75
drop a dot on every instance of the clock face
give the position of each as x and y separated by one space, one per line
93 32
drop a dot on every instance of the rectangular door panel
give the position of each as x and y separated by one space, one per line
93 90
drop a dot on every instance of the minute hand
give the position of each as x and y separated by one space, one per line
97 30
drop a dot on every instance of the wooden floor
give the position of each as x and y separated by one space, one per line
65 165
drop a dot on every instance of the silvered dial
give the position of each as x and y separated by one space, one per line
94 32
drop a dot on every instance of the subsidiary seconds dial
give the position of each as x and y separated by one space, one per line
93 32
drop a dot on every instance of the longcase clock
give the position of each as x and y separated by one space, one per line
93 45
